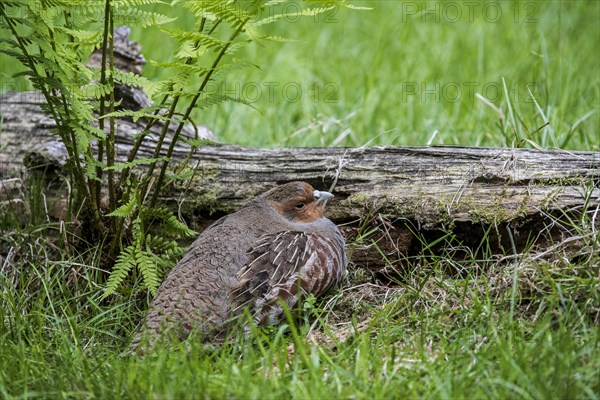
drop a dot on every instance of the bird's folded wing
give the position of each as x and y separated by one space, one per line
283 267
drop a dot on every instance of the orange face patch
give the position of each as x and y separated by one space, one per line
296 202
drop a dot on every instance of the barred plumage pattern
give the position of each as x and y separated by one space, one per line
285 266
277 248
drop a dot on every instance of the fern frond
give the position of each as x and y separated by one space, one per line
15 53
169 251
234 65
281 39
235 47
135 115
187 69
146 264
142 161
95 90
126 210
349 6
198 142
144 19
82 36
223 10
216 98
188 50
159 244
295 13
126 262
120 4
91 165
313 11
131 79
82 139
136 230
170 222
180 176
210 42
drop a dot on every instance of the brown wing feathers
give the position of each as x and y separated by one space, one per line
284 267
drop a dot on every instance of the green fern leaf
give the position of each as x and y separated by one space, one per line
141 18
186 69
131 79
181 176
147 266
82 139
135 115
126 262
201 39
91 164
179 226
170 221
134 163
126 210
120 4
83 37
198 142
216 10
216 98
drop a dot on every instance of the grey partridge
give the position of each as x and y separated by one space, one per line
275 249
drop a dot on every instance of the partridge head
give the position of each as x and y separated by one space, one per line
272 252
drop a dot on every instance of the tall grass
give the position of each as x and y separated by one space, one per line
442 328
407 73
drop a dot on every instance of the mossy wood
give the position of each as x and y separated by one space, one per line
410 195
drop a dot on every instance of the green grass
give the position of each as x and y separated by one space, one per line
394 76
437 335
478 328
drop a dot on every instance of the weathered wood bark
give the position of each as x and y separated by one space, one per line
407 194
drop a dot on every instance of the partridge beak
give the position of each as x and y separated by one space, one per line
322 197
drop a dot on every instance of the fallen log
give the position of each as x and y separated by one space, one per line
390 201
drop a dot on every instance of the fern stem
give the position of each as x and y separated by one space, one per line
138 143
188 111
110 148
117 227
103 143
158 148
166 125
84 185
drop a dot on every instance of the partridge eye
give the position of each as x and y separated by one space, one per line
300 206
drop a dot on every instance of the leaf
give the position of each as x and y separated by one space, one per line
141 18
135 115
91 164
201 39
170 222
126 210
118 4
198 142
126 262
147 266
82 139
213 10
131 79
142 161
